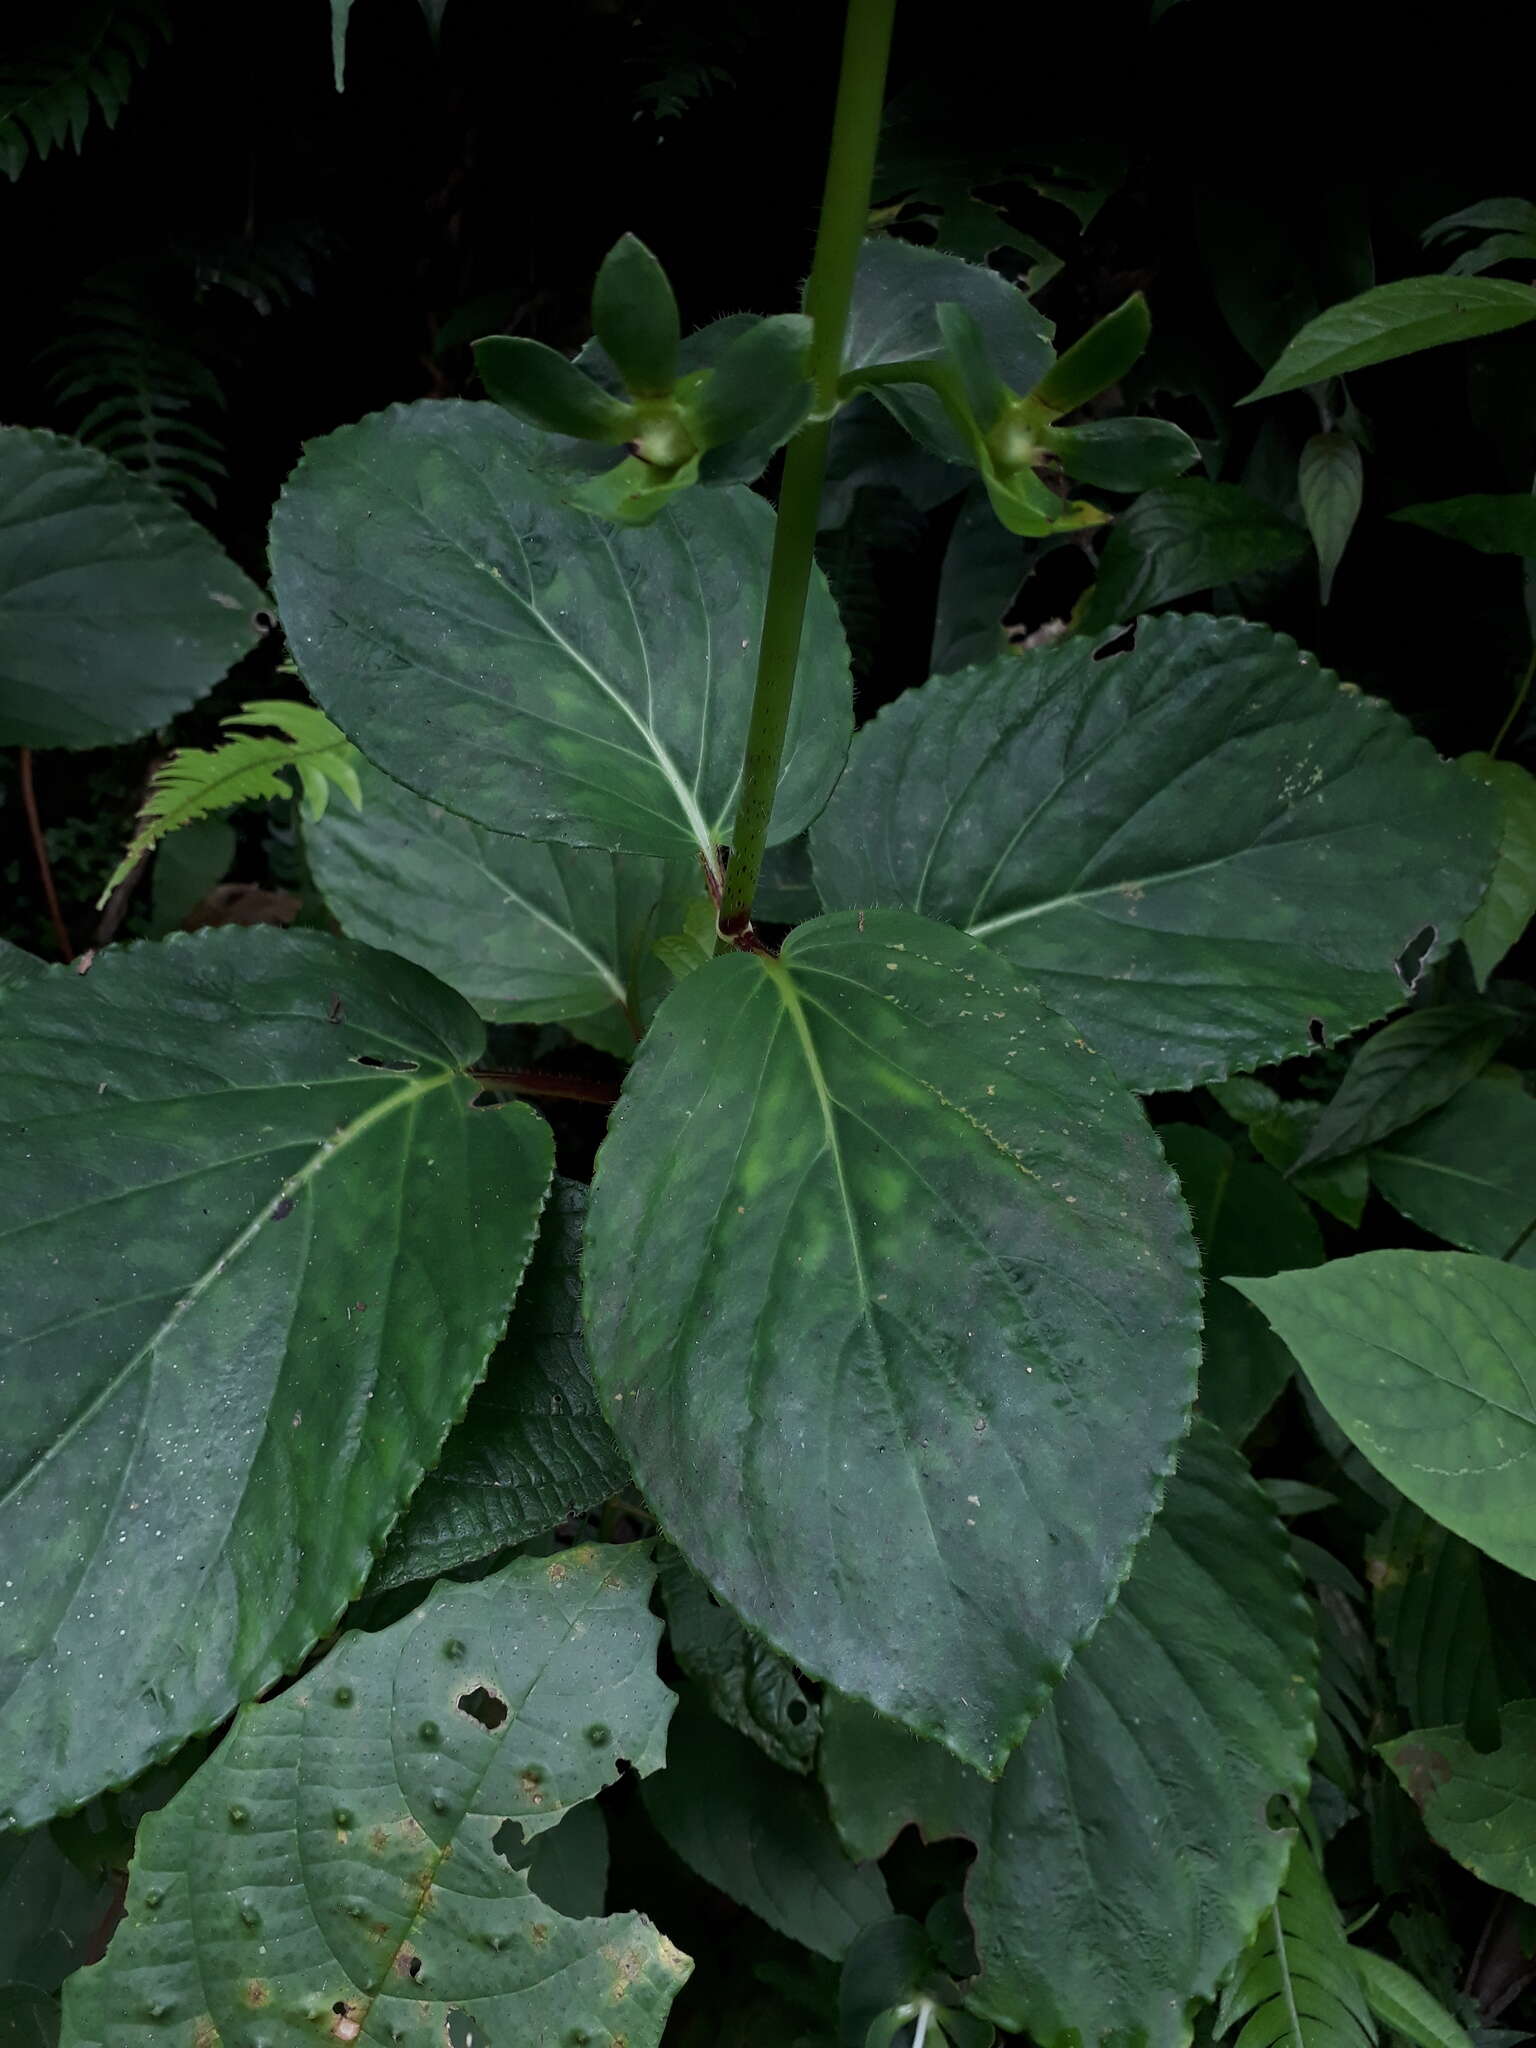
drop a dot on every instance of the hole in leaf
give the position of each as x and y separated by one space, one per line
483 1705
263 621
1410 962
797 1711
372 1059
1118 643
1317 1034
460 2031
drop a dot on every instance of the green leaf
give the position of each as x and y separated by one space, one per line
1395 320
749 1686
258 1260
1331 482
983 568
117 610
1279 1130
1417 1356
1185 536
530 667
1124 1855
758 382
1497 523
1100 358
547 389
533 1448
48 1912
1468 1172
1195 849
1479 1805
334 1856
759 1836
1246 1221
881 1264
28 2018
892 1975
248 766
634 316
17 966
1411 1066
1123 454
1401 2003
567 1865
1299 1985
527 933
70 67
1510 901
786 892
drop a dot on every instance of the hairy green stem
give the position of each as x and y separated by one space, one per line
828 295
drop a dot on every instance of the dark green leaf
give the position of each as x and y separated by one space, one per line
17 966
891 1976
634 316
567 1865
1279 1130
1246 1221
983 568
549 391
1418 1357
333 1860
1195 849
760 1836
117 610
1183 537
533 1448
758 380
1502 523
1100 358
48 1912
751 1687
1331 482
1124 1855
786 889
1509 903
1123 454
883 1265
258 1259
532 668
1395 320
1480 1806
1468 1173
1298 1986
1411 1066
527 933
28 2018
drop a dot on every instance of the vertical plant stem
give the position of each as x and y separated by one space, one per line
839 237
40 852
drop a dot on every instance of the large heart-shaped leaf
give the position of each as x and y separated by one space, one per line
258 1253
1423 1360
117 610
330 1871
534 668
1198 850
1124 1855
1468 1173
533 1447
893 1306
527 933
1479 1805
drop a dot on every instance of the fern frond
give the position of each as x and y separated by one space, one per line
198 780
1298 1985
82 65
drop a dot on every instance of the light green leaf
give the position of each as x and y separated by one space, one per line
1412 1066
531 667
759 1836
117 610
882 1264
1418 1357
1195 849
332 1861
751 1687
1299 1985
1185 536
1468 1173
527 933
1124 1855
1480 1806
1496 523
1331 481
1395 320
1510 901
533 1448
1246 1221
341 11
1401 2003
257 1261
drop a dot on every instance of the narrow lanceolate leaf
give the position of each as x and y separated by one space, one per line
1185 536
258 1248
1331 481
1396 320
762 1838
1417 1063
1498 523
117 610
1198 850
1479 1805
1246 1221
1299 1986
330 1872
1401 2002
882 1264
527 933
1124 1856
1422 1359
1509 903
1468 1173
533 1448
750 1686
531 667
